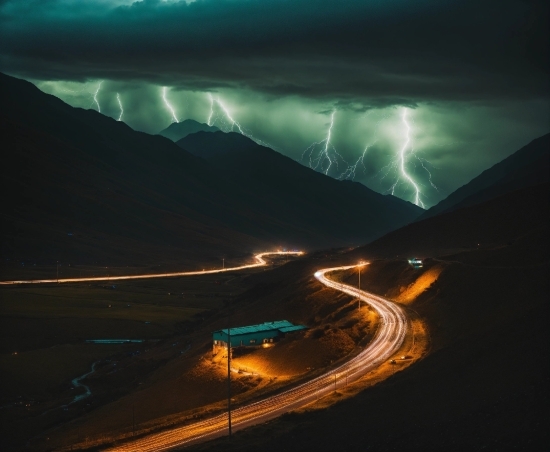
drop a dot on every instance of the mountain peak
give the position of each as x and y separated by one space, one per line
178 130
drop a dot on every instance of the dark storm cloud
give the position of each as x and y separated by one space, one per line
360 54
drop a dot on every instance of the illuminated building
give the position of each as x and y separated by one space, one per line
254 335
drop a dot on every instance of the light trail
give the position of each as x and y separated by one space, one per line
260 262
95 96
386 342
168 106
120 105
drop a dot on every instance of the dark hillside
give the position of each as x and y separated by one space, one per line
501 222
534 173
484 383
291 190
526 167
82 188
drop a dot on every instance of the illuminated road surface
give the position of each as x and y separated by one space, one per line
386 342
260 262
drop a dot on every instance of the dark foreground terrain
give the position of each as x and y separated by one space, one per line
484 384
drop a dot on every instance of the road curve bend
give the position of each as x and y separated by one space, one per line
387 340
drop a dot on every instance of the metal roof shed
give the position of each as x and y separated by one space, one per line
254 334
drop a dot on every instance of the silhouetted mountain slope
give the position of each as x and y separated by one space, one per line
129 197
178 130
501 222
281 185
528 166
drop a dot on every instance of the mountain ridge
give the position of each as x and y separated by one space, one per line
178 130
509 174
129 197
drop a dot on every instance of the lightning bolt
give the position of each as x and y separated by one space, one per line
120 105
349 173
399 164
168 106
229 117
327 142
209 121
221 116
322 154
423 162
95 96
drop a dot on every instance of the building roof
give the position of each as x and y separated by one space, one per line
267 326
288 329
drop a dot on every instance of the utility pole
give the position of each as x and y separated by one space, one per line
58 272
229 370
359 286
223 263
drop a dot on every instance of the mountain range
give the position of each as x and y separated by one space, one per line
178 130
80 186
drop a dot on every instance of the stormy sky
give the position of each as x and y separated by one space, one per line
454 85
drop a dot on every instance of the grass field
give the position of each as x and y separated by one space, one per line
44 331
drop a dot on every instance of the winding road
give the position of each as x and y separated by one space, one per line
386 342
260 262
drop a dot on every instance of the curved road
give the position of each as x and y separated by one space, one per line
386 342
260 262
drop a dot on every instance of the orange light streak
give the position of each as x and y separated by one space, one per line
386 342
260 262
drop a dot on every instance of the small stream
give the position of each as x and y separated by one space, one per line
76 383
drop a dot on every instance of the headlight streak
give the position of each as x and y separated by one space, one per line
386 342
120 105
95 96
260 261
168 106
